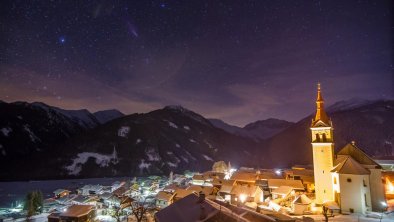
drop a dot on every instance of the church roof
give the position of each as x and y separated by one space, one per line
350 166
357 154
321 118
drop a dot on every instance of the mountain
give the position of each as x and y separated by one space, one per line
370 125
40 142
230 128
107 115
267 128
261 129
26 128
169 139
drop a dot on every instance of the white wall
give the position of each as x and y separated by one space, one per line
352 193
377 189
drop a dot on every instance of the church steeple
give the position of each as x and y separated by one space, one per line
321 115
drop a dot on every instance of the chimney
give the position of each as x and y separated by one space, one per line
201 197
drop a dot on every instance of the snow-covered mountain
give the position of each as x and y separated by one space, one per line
107 115
261 129
38 141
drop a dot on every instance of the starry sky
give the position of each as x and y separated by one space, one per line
239 61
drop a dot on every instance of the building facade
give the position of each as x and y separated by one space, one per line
323 152
350 178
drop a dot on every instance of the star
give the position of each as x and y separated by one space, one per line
62 40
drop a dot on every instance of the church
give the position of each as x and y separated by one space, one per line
349 177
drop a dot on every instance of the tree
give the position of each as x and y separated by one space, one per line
325 213
33 203
139 208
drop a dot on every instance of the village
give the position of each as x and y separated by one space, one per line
226 194
347 185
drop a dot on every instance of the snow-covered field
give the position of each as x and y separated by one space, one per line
12 192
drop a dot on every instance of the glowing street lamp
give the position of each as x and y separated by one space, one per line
242 197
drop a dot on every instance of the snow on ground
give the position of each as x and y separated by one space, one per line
209 145
173 125
123 131
6 131
152 154
170 164
2 150
190 155
185 159
101 159
138 141
207 157
355 218
186 127
32 136
143 165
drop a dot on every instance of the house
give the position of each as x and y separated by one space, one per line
121 191
61 193
225 189
91 189
301 204
191 208
245 177
296 185
181 193
74 213
303 174
242 193
85 200
163 199
209 192
281 192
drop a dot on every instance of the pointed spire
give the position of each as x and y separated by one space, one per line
320 113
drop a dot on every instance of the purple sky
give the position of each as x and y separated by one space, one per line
239 61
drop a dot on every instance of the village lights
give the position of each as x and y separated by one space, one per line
242 197
278 172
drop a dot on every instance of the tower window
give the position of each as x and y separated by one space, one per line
317 137
335 180
365 185
324 137
349 180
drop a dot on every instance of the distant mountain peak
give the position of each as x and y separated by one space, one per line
176 108
348 104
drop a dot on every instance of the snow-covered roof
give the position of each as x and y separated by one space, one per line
162 195
282 190
357 154
249 190
302 199
275 183
77 211
350 166
185 210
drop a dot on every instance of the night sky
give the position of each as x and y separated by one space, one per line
239 61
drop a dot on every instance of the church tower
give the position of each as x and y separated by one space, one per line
323 151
